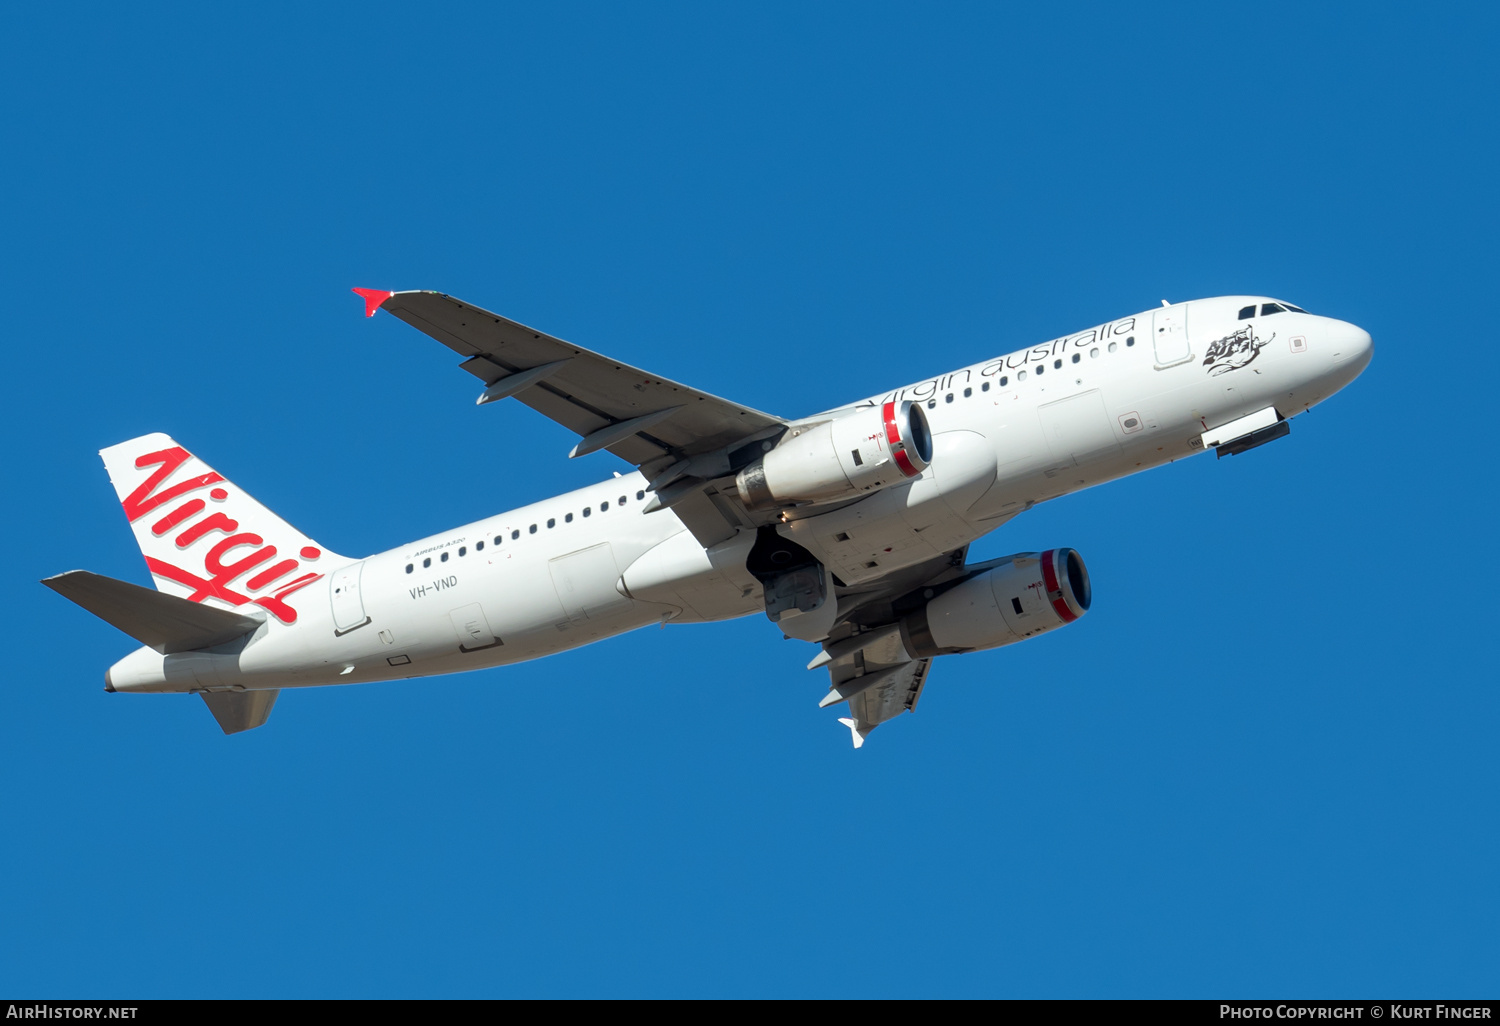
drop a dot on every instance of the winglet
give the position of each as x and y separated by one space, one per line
859 739
373 298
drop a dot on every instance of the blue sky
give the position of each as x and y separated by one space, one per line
1264 764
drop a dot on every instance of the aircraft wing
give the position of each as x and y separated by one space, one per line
680 438
877 691
868 665
599 398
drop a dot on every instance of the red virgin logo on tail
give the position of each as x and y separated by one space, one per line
196 544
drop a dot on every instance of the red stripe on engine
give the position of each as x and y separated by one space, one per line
892 432
898 447
1049 578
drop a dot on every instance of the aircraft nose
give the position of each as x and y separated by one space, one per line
1352 346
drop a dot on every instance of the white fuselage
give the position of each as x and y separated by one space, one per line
1008 433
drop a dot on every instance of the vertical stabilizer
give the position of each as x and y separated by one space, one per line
206 540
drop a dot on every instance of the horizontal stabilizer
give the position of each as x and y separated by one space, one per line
240 710
154 618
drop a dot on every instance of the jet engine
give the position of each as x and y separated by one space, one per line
858 451
1024 595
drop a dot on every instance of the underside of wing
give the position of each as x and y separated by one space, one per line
868 664
641 417
885 692
686 442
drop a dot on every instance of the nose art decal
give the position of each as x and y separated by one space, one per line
1235 350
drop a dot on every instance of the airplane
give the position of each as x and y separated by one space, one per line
848 529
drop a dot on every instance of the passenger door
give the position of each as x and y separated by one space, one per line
348 605
1170 336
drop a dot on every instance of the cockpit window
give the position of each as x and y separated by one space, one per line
1266 309
1246 312
1294 309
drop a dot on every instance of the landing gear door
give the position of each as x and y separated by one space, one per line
348 606
1169 336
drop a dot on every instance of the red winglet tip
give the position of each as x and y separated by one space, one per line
373 299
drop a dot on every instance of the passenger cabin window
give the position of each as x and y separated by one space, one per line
1004 380
586 511
622 500
479 545
1129 341
968 392
551 522
500 538
463 550
640 495
408 568
426 562
567 519
443 558
531 529
1247 312
1056 364
517 532
950 397
985 387
1267 309
1076 357
602 506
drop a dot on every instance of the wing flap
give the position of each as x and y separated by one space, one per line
895 694
879 682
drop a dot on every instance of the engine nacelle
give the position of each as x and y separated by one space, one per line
1033 593
857 452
